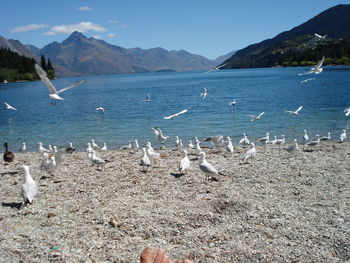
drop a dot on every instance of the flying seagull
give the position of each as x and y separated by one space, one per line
101 109
306 80
347 112
256 118
317 69
53 92
148 98
319 36
9 107
217 68
175 115
294 112
204 93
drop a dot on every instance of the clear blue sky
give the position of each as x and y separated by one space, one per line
205 27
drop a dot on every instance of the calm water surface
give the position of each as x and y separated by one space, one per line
128 116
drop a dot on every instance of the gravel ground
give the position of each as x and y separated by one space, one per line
281 207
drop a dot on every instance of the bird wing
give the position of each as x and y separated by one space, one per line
70 87
170 117
176 114
307 72
289 111
319 64
155 131
317 35
43 76
299 109
208 168
261 114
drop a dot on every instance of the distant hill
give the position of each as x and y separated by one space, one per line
79 55
300 46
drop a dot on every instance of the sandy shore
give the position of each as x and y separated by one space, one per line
282 207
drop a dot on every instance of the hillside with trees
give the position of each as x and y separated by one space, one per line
16 67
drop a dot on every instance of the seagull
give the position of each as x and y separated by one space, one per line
101 109
104 148
305 137
347 112
53 92
317 69
148 98
95 159
250 154
175 115
326 138
89 148
293 147
9 107
179 146
342 136
229 146
217 68
23 148
319 36
265 139
190 145
158 132
41 149
145 161
49 163
244 141
296 112
233 102
314 142
151 153
94 145
204 93
306 80
184 163
274 140
216 140
135 145
8 156
128 146
29 188
197 147
256 118
281 141
206 167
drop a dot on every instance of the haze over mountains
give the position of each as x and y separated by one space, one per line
300 43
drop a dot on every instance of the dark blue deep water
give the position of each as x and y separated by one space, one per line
272 90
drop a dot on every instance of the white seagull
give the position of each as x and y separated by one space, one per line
95 159
326 138
293 147
101 109
296 112
9 107
317 69
204 93
342 136
281 141
319 36
41 149
206 167
29 187
265 139
94 145
190 145
23 148
148 98
244 141
53 92
160 136
305 136
233 102
135 145
104 147
313 142
229 146
128 146
151 153
175 115
256 117
145 161
216 140
347 112
217 68
250 154
184 163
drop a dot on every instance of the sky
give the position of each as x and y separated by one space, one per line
204 27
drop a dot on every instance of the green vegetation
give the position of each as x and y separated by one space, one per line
15 67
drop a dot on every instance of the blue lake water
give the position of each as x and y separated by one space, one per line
127 116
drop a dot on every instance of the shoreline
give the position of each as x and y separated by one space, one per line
281 207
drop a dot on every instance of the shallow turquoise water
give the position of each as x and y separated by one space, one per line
128 116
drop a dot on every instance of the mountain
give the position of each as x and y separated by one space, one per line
299 44
81 56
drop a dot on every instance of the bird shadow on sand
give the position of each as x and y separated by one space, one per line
12 205
177 175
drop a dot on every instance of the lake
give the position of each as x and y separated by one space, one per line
128 116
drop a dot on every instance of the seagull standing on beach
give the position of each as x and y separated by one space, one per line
314 142
216 140
101 109
29 188
293 147
151 153
250 154
265 139
244 141
104 147
206 167
197 147
256 117
317 69
296 112
41 149
229 146
53 92
175 115
23 148
94 145
305 137
342 136
48 163
95 159
135 145
204 93
281 141
9 107
326 138
145 161
190 145
160 136
128 146
184 163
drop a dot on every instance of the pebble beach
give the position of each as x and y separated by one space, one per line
280 207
